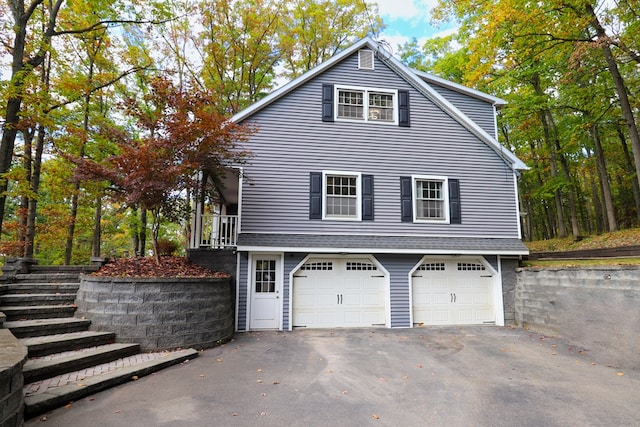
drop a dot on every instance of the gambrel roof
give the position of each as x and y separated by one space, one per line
419 80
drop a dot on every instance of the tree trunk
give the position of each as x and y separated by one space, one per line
621 89
35 187
604 180
632 172
97 230
19 71
142 236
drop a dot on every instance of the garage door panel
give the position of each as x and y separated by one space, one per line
455 291
345 296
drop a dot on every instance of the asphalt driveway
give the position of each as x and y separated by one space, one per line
450 376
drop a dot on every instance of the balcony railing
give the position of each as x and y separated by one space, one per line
217 231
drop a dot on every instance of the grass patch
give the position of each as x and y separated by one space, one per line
595 262
616 239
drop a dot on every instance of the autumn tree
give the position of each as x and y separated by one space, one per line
176 134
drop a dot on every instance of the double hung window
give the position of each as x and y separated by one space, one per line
369 105
430 199
342 196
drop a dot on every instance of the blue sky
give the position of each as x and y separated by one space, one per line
406 19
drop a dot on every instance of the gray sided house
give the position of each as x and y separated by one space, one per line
376 196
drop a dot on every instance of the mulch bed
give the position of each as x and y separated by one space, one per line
148 267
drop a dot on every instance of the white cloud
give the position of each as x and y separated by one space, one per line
413 10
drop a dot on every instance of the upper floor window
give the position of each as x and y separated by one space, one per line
346 196
430 199
369 105
360 104
342 196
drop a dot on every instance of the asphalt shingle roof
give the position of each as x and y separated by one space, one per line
410 244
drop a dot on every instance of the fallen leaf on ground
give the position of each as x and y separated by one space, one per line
619 374
135 378
219 359
235 414
263 413
419 365
375 416
258 370
259 381
276 382
201 375
68 405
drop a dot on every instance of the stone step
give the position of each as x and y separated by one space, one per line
50 344
41 288
48 277
54 397
37 369
39 327
23 312
37 299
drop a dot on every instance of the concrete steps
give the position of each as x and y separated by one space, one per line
40 327
9 300
67 361
23 312
82 385
50 344
37 369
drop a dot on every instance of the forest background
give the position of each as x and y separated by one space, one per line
79 77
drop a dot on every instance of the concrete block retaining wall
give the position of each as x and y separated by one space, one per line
597 309
159 314
13 356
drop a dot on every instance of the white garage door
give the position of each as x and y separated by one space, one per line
453 292
329 293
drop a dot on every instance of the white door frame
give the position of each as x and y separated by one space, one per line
278 257
371 257
498 302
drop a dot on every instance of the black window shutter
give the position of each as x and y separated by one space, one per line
315 195
367 197
327 102
403 108
454 201
406 199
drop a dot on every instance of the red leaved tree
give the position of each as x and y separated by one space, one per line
178 133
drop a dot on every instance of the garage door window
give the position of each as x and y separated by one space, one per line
467 266
318 266
265 276
360 266
432 266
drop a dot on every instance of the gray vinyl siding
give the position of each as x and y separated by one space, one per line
292 141
399 267
479 111
291 260
243 277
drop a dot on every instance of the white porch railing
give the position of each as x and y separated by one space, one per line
217 231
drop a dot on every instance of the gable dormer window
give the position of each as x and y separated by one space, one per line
368 105
362 104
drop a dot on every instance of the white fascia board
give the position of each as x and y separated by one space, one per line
377 251
493 100
280 92
455 113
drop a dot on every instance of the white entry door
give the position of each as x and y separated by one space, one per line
265 292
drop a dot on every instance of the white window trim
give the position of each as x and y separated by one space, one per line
358 177
366 91
445 191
